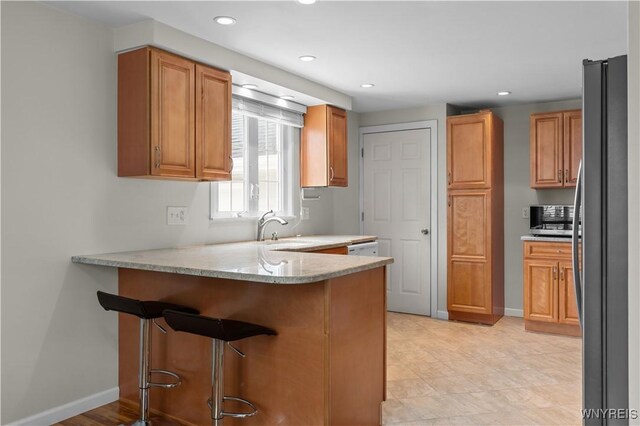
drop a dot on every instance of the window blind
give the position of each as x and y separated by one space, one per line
250 107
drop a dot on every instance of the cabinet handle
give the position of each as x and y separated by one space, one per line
158 156
566 175
560 176
449 202
331 173
449 178
555 272
562 274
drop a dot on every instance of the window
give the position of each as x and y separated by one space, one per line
261 180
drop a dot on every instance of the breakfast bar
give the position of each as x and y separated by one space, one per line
325 366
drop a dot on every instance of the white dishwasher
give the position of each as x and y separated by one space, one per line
364 249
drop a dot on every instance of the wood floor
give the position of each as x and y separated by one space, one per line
449 373
116 413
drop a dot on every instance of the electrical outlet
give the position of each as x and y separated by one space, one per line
525 212
177 215
305 213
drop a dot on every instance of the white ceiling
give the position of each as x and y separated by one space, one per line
417 53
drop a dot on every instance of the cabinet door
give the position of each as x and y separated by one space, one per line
337 134
572 146
172 115
213 124
568 307
469 152
546 150
541 290
469 276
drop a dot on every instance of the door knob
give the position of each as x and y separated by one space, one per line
425 231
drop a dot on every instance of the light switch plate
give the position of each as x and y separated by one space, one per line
525 212
305 213
177 215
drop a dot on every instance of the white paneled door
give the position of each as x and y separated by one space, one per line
397 209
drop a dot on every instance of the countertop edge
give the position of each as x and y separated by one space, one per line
238 276
324 246
545 239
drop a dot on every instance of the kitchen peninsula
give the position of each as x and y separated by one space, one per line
325 366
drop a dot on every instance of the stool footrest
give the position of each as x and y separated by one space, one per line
165 385
237 415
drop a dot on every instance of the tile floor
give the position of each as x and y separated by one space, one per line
444 372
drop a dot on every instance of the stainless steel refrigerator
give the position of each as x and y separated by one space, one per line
601 275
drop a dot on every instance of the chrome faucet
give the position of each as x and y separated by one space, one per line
262 222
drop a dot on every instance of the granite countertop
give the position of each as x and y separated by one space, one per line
546 239
277 262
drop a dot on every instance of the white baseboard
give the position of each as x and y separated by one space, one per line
509 312
63 412
443 315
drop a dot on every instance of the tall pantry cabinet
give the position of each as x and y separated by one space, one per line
475 218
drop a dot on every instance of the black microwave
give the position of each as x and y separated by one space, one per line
551 220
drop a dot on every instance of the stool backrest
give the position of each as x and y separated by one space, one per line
112 302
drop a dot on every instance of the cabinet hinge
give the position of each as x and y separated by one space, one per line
362 216
362 152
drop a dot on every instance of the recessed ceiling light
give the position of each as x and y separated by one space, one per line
367 85
250 86
504 93
306 1
225 20
307 58
287 97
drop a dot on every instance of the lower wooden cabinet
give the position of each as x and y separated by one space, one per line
334 250
541 290
567 306
549 295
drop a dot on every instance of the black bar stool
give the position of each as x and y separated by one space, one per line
147 311
221 331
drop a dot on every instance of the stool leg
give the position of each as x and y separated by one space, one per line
217 382
144 371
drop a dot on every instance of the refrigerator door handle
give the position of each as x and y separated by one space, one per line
575 243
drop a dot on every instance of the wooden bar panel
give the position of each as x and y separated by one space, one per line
283 376
325 366
356 314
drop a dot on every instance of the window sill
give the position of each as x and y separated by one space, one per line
247 218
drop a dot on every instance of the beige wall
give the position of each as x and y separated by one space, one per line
518 194
61 196
433 112
346 201
634 206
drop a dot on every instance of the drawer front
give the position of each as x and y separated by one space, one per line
547 250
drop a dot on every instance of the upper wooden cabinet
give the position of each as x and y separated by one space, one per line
572 154
469 151
213 124
556 148
323 151
174 117
475 224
